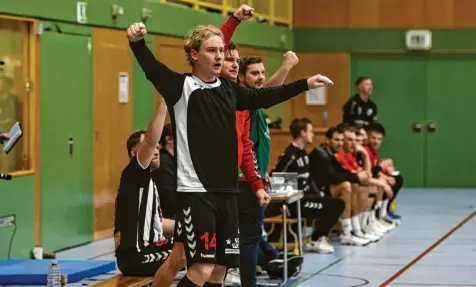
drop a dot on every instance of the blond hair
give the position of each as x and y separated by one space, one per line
197 36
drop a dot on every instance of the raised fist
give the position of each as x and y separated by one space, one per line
318 81
136 32
245 12
290 59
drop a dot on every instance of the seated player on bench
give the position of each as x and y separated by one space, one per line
370 200
141 247
360 191
335 181
322 212
383 169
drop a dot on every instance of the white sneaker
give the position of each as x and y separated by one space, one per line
371 237
395 222
322 246
381 226
387 225
233 277
353 240
373 229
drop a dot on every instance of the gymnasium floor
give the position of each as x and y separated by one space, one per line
435 246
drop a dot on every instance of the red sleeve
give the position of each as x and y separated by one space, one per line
346 161
228 28
372 156
341 159
249 164
352 162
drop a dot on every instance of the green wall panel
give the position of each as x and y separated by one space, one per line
451 104
166 19
360 40
66 111
429 88
17 197
143 95
273 62
400 103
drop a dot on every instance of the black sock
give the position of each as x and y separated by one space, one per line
377 212
185 282
396 188
208 284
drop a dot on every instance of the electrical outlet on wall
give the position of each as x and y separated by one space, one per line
8 221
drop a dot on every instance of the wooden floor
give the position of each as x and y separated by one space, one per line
435 246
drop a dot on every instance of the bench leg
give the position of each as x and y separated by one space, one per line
296 239
285 244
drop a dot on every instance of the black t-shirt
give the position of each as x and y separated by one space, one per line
296 160
204 117
164 177
138 218
326 170
356 111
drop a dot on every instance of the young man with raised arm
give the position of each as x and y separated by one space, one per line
201 104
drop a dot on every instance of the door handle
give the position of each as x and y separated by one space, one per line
431 127
416 128
70 145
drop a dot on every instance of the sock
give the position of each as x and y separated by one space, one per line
364 219
356 224
383 210
377 207
369 216
372 216
208 284
185 282
346 226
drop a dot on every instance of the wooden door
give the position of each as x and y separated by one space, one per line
113 123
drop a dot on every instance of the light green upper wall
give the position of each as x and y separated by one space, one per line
168 19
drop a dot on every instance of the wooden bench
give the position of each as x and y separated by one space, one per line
125 281
278 219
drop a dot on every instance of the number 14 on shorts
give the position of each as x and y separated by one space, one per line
209 242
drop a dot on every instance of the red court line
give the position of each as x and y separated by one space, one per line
424 253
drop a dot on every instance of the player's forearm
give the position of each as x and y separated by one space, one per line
228 29
250 170
145 58
268 97
154 131
152 136
367 164
278 78
155 71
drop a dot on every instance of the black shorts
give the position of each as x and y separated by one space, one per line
207 225
147 261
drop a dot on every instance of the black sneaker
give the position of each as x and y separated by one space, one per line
276 267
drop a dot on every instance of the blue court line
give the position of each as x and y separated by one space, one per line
318 272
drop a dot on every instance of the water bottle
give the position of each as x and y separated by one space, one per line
54 275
